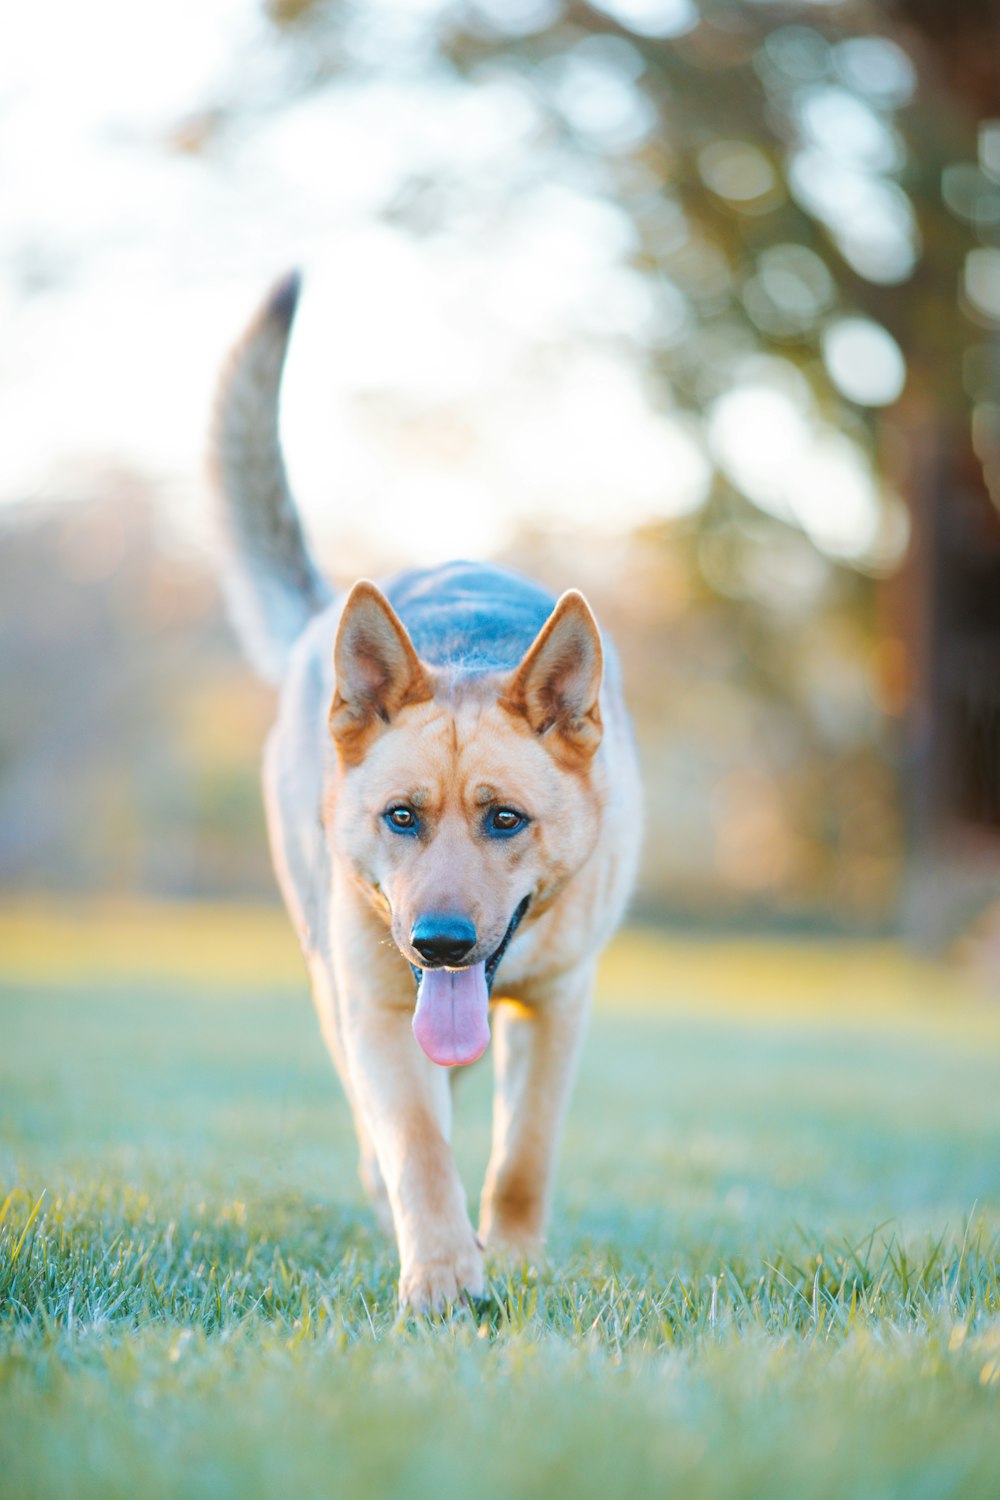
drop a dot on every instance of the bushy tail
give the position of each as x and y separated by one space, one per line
272 584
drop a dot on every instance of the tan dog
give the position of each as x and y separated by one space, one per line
453 805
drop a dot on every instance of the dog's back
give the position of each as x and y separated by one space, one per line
469 617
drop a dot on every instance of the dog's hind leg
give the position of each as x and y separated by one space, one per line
292 783
325 1001
535 1050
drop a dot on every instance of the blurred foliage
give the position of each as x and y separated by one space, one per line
772 172
130 743
765 176
774 164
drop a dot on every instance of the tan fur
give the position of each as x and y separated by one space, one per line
363 724
403 731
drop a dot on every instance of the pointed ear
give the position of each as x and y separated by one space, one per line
377 670
556 687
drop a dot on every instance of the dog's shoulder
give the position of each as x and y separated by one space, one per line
470 617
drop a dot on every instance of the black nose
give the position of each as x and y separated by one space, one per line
443 938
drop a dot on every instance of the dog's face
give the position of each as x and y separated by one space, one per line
458 813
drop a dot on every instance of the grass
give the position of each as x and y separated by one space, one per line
774 1269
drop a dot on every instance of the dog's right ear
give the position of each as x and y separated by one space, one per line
377 671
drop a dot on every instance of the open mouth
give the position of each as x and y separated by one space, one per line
451 1021
493 962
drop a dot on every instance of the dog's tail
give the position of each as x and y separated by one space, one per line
272 585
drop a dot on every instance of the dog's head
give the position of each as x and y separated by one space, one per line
463 806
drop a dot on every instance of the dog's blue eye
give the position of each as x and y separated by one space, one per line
503 821
402 819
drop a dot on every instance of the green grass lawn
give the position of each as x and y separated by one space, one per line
775 1256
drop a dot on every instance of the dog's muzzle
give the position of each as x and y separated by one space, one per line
492 963
451 1019
443 938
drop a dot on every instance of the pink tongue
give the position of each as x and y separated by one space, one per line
451 1022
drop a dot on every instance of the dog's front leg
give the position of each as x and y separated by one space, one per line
406 1104
535 1050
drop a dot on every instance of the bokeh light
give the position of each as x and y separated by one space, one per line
864 361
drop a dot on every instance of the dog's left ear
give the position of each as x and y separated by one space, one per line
377 670
557 686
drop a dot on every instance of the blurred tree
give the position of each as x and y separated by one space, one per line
963 45
955 573
777 169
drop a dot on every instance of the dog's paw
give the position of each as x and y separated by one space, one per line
430 1285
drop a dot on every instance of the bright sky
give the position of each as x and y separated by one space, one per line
470 382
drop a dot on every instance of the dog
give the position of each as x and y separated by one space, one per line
454 812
